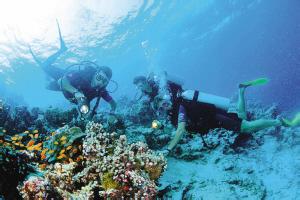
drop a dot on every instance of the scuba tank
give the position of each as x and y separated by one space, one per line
220 102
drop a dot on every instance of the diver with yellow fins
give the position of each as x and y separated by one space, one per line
79 86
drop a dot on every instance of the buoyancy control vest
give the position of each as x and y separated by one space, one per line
200 112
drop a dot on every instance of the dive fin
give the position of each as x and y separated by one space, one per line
259 81
62 42
34 56
291 123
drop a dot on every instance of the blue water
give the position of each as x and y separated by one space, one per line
212 45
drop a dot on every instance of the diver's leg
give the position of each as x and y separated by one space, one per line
256 125
61 50
53 85
241 103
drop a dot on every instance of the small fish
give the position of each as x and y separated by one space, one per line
53 133
61 156
51 152
42 166
56 143
71 160
17 144
69 147
31 148
63 142
63 138
43 156
44 151
31 135
4 131
14 138
47 138
30 143
78 159
26 132
62 151
39 144
37 148
35 131
75 150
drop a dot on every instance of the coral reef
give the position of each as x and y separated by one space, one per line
38 188
99 162
224 164
57 118
64 146
109 168
14 167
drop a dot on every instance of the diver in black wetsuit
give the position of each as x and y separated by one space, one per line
78 86
191 111
147 85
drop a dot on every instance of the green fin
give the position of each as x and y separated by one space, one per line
259 81
292 123
296 120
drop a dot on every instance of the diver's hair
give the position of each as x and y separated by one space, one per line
139 79
107 70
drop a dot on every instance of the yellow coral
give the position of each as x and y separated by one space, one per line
154 171
108 182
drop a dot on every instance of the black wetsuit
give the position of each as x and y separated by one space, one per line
154 90
200 117
81 80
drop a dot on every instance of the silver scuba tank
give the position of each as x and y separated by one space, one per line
220 102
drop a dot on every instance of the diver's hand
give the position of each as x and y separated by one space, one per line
164 152
79 95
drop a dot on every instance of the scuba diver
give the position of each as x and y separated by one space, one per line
147 85
194 111
78 86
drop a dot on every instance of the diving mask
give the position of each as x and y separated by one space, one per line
100 79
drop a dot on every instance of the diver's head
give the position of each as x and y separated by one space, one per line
142 84
102 77
166 102
163 104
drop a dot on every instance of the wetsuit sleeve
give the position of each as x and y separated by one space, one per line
106 96
81 79
181 114
74 78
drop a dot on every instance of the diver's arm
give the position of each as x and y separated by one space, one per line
179 133
113 105
65 85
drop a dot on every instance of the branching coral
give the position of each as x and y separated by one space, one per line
110 168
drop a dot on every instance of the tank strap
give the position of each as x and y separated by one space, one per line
196 94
